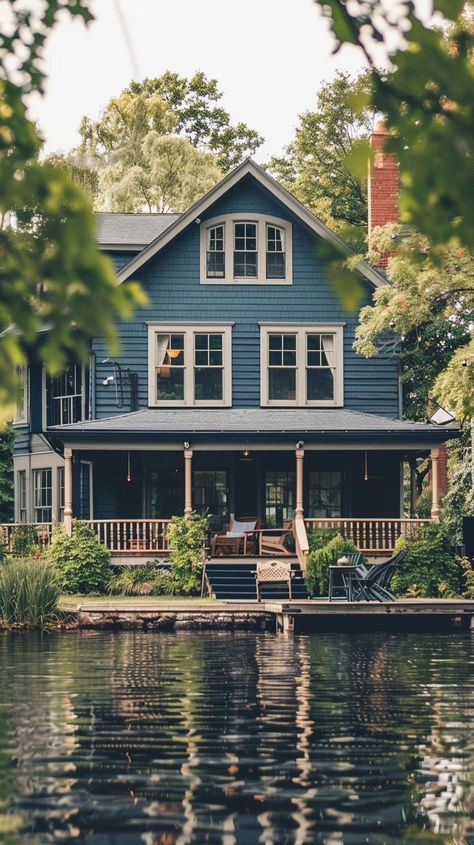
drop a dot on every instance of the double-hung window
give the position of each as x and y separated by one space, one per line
67 396
246 249
42 495
22 496
301 365
189 365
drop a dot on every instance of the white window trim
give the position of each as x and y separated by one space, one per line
84 408
228 220
301 332
189 331
24 418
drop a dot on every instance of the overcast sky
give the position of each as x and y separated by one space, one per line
270 56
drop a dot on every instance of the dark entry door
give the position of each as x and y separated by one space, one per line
246 488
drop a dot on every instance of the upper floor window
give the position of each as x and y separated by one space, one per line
301 365
21 398
215 256
67 396
246 249
190 365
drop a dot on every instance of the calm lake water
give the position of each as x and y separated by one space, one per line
157 739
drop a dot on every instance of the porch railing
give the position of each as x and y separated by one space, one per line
16 536
132 536
371 536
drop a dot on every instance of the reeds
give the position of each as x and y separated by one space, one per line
29 592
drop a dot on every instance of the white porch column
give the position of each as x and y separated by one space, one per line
434 483
188 482
68 490
299 483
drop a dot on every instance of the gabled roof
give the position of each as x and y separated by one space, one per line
263 178
130 231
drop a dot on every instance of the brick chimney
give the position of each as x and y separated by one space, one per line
383 185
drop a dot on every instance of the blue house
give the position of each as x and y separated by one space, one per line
237 391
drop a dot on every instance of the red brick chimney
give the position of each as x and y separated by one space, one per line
383 185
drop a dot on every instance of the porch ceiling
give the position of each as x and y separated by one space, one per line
311 424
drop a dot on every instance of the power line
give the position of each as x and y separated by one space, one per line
128 40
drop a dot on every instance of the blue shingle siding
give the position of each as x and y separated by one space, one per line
22 440
120 258
171 279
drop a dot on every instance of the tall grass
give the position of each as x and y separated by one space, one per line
29 592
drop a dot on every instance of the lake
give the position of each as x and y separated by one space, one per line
152 738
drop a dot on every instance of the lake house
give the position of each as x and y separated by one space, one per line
237 391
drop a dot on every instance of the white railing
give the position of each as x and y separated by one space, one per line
19 537
132 536
371 536
301 542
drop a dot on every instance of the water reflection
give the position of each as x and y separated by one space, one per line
169 739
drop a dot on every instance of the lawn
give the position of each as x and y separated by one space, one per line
69 601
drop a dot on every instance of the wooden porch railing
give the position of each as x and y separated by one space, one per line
14 535
371 536
301 542
132 536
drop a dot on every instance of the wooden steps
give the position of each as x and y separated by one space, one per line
234 579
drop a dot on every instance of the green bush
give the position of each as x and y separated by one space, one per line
186 537
429 568
320 537
81 563
319 561
148 580
29 592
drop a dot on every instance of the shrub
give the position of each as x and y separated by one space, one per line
81 562
429 568
319 561
148 580
29 592
25 540
186 537
320 537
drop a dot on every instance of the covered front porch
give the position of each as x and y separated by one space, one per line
129 475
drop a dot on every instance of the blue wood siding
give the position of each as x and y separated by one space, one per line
171 280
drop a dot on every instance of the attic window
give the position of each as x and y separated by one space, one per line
246 249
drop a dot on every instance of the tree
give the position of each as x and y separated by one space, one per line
7 438
169 104
315 167
51 273
170 176
426 97
430 304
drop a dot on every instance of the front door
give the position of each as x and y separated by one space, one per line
210 496
280 494
246 487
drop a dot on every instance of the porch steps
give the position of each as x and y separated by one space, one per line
233 578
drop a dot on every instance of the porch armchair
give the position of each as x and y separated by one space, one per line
272 540
239 539
373 584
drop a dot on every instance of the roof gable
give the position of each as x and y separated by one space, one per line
218 191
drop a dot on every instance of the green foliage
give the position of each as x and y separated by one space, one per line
430 304
25 539
319 561
429 568
468 577
320 537
29 592
149 580
51 271
7 439
81 562
315 167
186 537
426 97
459 499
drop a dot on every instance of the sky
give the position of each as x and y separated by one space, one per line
269 56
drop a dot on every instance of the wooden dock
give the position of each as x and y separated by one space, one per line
285 616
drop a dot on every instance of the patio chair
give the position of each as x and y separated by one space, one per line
272 540
237 540
372 584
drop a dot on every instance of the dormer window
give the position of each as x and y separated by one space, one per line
246 249
275 252
215 257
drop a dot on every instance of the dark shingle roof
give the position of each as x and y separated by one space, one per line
134 230
317 423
